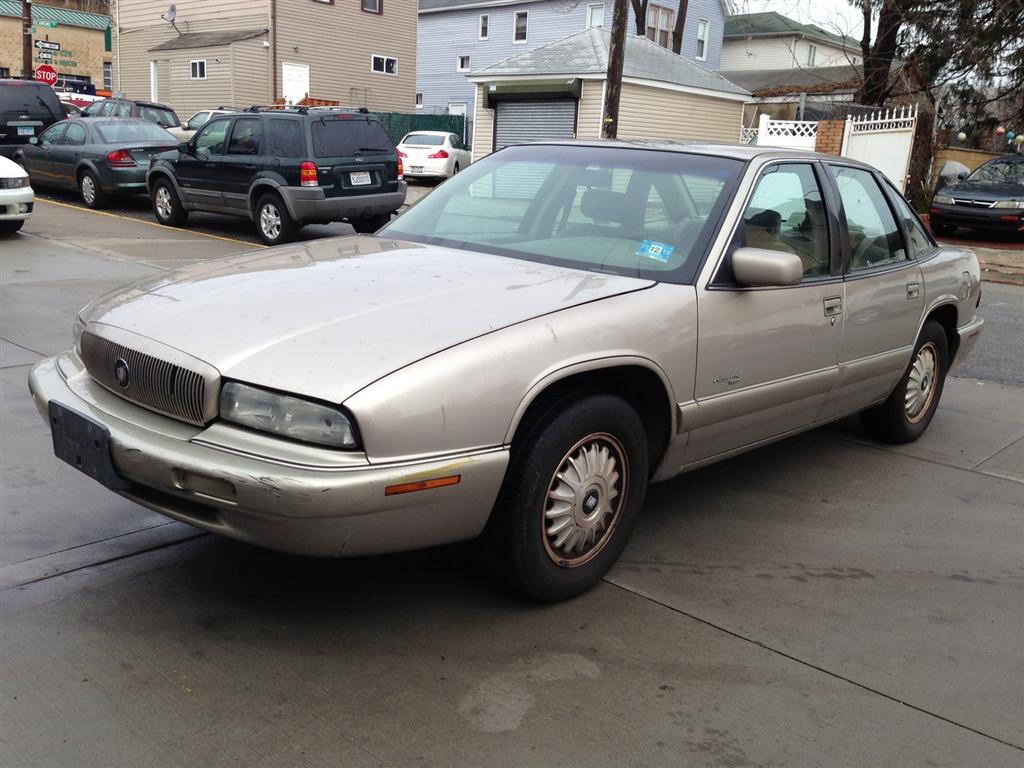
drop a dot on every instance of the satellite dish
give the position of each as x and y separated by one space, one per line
171 15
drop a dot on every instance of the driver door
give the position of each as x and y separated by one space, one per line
767 357
197 170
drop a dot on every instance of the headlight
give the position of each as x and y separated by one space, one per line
286 416
16 183
943 200
1008 204
76 332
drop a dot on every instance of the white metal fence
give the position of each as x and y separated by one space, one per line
885 140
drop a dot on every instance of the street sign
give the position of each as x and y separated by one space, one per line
47 45
48 24
44 56
46 74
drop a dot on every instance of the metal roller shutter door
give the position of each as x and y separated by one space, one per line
519 121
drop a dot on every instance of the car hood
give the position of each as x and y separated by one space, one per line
328 317
984 191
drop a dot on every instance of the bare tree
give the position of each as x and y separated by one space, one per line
640 13
677 33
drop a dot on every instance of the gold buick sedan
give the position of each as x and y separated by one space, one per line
517 356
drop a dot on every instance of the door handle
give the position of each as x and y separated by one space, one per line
913 290
833 306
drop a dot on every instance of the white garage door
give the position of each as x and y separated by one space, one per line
519 121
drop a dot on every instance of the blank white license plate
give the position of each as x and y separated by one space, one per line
359 178
26 130
416 169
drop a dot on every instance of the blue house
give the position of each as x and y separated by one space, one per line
456 37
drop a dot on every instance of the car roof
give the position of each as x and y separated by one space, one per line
1005 159
431 133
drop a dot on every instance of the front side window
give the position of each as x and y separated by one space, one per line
373 6
595 15
462 63
787 213
702 39
520 27
52 135
484 23
384 65
246 136
198 69
197 121
628 212
875 239
212 137
920 241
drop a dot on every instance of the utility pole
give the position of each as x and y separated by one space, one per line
26 39
616 57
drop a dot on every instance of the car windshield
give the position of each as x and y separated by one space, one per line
119 131
345 135
423 140
162 117
999 172
633 212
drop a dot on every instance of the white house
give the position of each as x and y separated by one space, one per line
772 41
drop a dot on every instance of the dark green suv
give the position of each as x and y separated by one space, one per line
282 168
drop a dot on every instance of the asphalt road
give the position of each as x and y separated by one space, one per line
825 602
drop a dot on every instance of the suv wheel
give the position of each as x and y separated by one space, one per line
370 224
92 194
166 206
273 224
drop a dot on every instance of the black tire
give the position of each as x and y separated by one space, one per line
167 207
91 192
895 420
278 226
524 549
10 226
370 224
455 169
942 229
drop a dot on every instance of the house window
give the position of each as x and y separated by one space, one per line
519 28
462 63
702 39
198 69
483 26
660 22
5 71
383 65
595 15
107 42
419 101
373 6
108 76
812 54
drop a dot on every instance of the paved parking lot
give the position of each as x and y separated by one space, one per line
824 602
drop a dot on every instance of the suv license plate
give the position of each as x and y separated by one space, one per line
26 130
359 178
85 445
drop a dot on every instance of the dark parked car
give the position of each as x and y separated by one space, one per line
27 108
98 157
990 198
283 168
160 114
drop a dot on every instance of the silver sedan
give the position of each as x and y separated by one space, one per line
517 356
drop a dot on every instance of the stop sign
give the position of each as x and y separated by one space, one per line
46 74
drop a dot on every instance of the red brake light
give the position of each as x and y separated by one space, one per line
439 155
120 158
307 174
401 167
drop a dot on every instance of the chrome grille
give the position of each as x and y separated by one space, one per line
159 385
972 203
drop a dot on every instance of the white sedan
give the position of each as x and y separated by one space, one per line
433 154
16 196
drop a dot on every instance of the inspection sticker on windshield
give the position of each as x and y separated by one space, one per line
652 249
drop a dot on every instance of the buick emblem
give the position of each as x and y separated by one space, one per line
121 373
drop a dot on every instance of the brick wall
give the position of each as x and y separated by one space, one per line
830 136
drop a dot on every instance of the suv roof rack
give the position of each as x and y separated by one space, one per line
303 110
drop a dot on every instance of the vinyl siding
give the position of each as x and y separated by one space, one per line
251 66
134 14
483 127
781 53
337 42
588 114
656 113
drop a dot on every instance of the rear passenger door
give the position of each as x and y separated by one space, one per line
767 357
242 160
65 154
884 292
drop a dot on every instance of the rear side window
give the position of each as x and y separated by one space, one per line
31 99
75 135
162 117
344 137
920 242
875 238
284 138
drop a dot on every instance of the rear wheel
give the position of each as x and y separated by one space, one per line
571 497
905 416
370 224
9 227
92 194
166 206
273 224
455 169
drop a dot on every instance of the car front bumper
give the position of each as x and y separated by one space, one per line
969 336
309 205
16 204
197 476
1006 219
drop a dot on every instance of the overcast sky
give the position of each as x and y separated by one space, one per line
833 15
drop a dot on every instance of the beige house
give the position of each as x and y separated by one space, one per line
769 40
558 91
238 53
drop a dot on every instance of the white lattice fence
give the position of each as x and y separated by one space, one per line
883 139
793 134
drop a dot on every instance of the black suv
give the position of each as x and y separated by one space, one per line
27 108
160 114
283 168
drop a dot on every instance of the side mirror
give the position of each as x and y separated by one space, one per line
763 267
961 176
34 140
185 148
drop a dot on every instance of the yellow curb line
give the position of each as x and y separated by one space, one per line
150 223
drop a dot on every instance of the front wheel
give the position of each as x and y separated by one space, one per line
909 410
572 495
273 223
92 194
166 206
10 226
941 229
